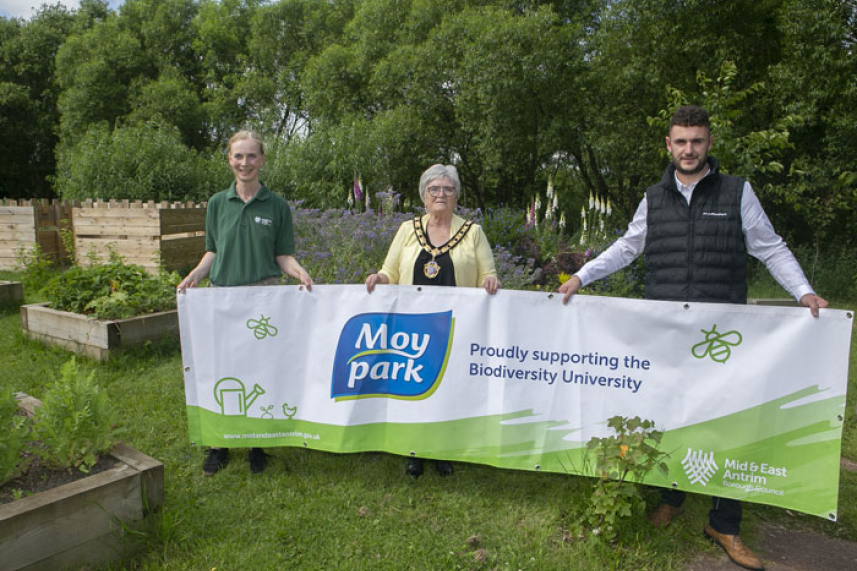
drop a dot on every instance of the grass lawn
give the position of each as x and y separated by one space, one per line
312 510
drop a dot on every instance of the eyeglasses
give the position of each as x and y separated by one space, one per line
438 190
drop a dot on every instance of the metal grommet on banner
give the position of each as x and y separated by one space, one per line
413 453
304 443
550 296
840 417
538 466
419 288
187 369
832 517
687 306
849 315
675 484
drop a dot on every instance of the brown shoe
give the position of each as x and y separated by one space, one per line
663 515
734 548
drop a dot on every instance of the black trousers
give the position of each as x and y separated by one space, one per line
724 516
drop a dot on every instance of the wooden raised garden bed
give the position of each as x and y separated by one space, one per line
76 523
95 338
148 234
27 223
11 293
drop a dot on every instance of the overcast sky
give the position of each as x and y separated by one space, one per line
27 8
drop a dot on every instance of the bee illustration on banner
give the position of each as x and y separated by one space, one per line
717 345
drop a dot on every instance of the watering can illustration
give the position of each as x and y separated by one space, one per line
233 399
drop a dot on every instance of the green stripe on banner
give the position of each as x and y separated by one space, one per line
760 470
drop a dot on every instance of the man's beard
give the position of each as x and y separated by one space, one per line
700 166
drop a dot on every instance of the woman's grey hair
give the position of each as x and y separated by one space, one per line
437 171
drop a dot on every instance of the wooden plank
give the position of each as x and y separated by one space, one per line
138 330
111 213
76 524
101 550
11 293
22 212
182 220
116 231
79 513
51 323
151 474
93 337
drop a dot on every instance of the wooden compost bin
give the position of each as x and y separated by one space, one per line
95 338
26 223
76 524
149 234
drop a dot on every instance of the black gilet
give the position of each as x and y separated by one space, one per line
696 251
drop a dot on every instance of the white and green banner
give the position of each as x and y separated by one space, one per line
751 398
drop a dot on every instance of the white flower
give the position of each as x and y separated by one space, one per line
609 209
591 202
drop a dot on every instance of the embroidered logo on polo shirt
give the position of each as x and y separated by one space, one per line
716 214
263 221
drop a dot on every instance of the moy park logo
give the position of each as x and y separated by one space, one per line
392 355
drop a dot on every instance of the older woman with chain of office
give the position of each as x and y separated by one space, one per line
438 248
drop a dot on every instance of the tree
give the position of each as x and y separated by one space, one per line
28 100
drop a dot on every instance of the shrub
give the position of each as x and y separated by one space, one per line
36 268
75 423
631 453
145 161
112 291
14 436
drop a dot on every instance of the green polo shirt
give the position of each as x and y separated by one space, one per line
247 237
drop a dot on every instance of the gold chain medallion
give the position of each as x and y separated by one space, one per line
431 269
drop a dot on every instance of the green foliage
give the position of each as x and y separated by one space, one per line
76 423
741 151
140 162
629 454
112 291
36 268
67 239
14 436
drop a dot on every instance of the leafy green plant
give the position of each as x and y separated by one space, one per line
67 239
36 268
76 422
112 291
14 436
631 453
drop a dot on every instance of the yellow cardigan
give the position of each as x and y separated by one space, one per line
472 257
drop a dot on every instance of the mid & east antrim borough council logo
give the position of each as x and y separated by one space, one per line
699 466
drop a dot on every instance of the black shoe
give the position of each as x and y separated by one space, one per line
415 467
215 459
443 468
258 460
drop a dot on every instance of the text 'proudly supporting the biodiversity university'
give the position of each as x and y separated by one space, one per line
586 369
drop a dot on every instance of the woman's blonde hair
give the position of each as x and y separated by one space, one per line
245 134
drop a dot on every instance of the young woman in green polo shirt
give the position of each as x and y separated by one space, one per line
248 241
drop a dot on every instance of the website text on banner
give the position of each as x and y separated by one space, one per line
751 398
